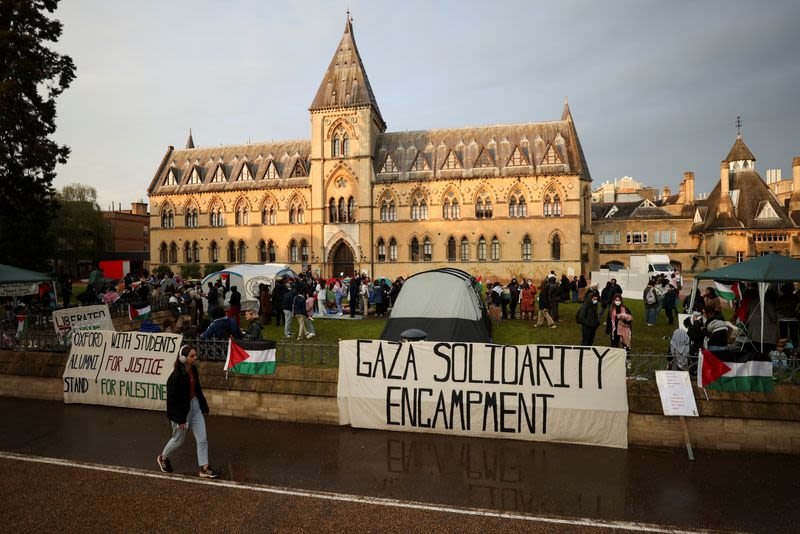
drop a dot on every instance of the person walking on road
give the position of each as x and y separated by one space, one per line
186 406
588 319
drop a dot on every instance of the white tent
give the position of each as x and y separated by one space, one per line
247 277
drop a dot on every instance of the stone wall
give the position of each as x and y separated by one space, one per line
763 422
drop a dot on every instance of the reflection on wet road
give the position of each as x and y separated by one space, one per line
718 490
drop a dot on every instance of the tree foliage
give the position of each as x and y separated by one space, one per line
79 231
31 77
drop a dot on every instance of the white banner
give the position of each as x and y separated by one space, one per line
676 392
557 393
19 289
127 369
82 318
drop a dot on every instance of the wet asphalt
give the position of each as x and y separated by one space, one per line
718 490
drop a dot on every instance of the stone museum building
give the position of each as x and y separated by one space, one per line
492 200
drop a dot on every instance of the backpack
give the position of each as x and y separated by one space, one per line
651 296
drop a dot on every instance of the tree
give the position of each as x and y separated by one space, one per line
31 77
79 232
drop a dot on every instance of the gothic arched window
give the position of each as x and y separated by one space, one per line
451 249
415 249
555 247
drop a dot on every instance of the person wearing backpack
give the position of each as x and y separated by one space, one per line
650 299
588 318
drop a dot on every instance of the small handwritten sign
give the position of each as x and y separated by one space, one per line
677 395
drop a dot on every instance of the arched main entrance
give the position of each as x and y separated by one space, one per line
342 260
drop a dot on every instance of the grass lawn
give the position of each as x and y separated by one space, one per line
517 332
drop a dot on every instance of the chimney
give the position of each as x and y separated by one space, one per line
725 203
688 186
794 202
666 192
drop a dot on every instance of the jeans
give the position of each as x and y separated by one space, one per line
652 314
197 424
338 304
287 325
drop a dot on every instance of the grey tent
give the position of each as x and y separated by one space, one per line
444 303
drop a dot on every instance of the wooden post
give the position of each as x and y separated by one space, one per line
686 438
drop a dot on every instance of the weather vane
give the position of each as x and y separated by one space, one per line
738 125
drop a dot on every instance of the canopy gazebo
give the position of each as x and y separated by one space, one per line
18 282
764 270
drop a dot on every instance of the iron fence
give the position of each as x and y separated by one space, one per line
640 366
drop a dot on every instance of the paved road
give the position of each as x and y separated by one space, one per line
337 470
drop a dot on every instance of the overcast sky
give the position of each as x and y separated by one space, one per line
654 87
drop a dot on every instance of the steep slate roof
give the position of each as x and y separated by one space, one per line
345 83
739 151
641 209
753 194
284 154
533 140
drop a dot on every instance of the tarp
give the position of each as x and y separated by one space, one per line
10 274
769 268
247 277
444 304
17 282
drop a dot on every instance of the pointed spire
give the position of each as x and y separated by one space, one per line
566 114
345 82
739 152
190 141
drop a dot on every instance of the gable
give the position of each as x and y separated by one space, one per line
194 176
171 178
389 165
551 156
299 170
219 175
272 171
244 174
698 217
451 161
484 160
420 163
517 158
766 211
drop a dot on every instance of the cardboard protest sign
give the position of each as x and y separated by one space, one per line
127 369
96 317
533 392
677 395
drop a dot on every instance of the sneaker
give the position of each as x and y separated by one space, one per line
310 335
208 473
164 464
554 326
288 336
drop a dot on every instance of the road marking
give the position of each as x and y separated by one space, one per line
343 497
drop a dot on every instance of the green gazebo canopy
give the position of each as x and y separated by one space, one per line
10 274
769 268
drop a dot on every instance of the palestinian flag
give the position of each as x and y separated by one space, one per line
251 357
728 291
22 324
138 312
730 370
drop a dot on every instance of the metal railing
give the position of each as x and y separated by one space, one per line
640 366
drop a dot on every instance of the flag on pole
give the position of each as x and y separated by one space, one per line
729 370
138 312
251 357
728 291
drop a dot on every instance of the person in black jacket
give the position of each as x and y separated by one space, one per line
186 406
588 319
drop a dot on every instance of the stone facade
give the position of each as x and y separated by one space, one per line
498 201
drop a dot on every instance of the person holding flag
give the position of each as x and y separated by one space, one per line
186 406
